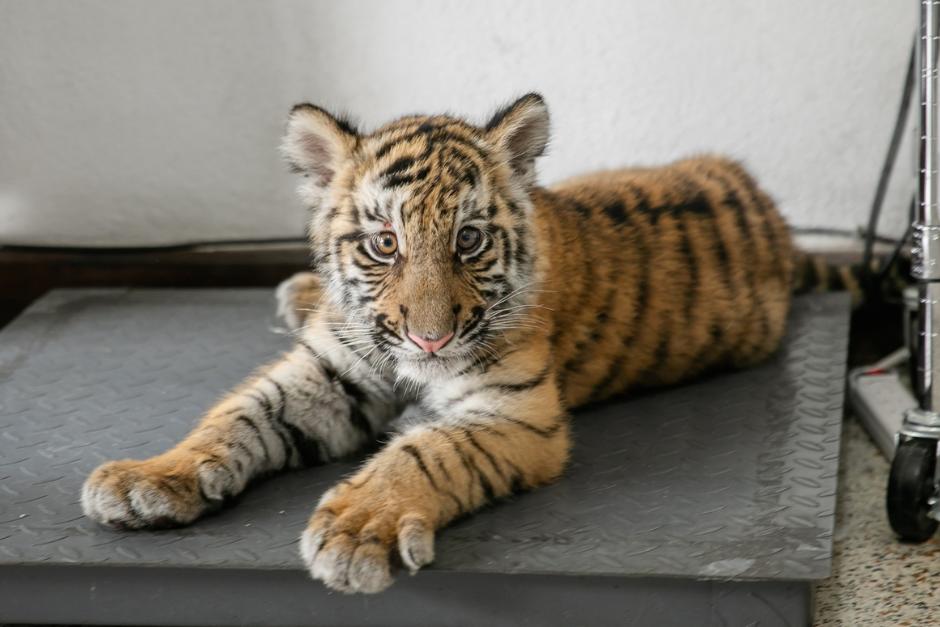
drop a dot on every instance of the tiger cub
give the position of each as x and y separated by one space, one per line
448 280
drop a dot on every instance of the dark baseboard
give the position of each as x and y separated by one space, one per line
28 273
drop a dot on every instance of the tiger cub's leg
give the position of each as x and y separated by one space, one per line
298 298
490 436
297 411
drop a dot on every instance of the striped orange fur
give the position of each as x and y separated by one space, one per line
466 308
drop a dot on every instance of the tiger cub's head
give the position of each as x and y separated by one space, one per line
422 228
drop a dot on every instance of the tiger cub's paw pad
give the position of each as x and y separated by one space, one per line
352 549
132 494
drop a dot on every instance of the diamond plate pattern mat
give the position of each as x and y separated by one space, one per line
731 477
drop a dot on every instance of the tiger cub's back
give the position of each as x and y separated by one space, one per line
659 274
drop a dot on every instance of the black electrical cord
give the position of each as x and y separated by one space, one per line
896 253
886 168
850 233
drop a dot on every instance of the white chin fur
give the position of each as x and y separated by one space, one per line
426 370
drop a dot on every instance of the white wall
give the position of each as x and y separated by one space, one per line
149 122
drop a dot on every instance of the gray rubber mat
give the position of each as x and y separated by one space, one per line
680 505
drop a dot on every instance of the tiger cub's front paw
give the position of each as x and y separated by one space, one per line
154 493
351 541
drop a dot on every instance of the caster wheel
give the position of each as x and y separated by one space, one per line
911 487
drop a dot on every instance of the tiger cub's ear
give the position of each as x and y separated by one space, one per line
316 142
521 130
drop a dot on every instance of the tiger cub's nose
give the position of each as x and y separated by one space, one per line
430 344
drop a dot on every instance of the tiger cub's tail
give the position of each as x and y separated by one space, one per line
885 280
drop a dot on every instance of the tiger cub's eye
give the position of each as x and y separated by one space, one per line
468 239
385 243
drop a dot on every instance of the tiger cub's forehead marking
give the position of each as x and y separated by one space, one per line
440 199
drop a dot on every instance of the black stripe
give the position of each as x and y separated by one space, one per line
506 253
416 455
244 449
441 467
476 317
309 348
435 135
757 309
691 268
309 449
469 171
521 254
306 447
580 209
486 428
653 373
732 201
641 203
545 432
169 484
614 370
724 270
354 392
253 427
135 514
216 461
352 236
472 471
698 205
535 381
398 166
358 420
765 209
591 280
400 180
581 353
265 403
712 353
640 306
616 212
522 386
489 456
484 364
488 265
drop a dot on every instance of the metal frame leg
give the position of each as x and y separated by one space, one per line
925 249
912 486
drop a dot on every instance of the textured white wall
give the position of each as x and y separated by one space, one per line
142 122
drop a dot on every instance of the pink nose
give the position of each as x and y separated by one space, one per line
430 345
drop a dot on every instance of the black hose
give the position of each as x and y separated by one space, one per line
886 168
896 253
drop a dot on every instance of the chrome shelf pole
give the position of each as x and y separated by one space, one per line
924 421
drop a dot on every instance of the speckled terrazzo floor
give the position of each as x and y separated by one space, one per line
875 580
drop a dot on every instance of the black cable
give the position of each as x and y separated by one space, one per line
851 233
896 253
887 167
